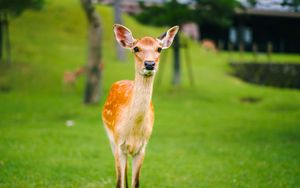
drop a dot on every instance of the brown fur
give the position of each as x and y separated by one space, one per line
128 114
209 45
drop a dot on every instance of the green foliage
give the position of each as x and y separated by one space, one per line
16 7
203 136
171 13
293 4
217 12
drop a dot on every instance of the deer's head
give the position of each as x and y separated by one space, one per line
146 50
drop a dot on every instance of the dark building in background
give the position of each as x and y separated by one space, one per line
280 29
251 27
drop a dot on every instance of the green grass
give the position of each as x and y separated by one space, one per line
204 136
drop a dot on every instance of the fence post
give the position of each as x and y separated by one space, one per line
269 51
241 50
254 50
230 49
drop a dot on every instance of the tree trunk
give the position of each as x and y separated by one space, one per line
1 38
118 20
176 65
93 70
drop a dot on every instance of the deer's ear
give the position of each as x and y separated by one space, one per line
167 38
123 36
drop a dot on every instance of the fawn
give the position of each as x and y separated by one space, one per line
209 45
128 114
70 77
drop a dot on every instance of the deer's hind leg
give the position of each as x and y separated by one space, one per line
120 161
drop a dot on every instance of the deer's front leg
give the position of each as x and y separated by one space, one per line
137 162
121 169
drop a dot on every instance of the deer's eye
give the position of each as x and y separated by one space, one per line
159 50
136 49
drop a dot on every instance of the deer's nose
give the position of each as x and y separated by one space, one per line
149 65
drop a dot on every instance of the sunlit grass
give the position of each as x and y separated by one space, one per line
204 136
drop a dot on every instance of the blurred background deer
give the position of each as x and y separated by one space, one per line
70 77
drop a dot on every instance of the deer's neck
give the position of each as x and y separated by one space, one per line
141 98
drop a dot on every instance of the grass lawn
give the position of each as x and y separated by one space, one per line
204 136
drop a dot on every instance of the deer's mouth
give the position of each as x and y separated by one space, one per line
147 73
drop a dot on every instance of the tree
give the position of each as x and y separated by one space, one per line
293 4
118 20
216 12
12 8
172 13
93 68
